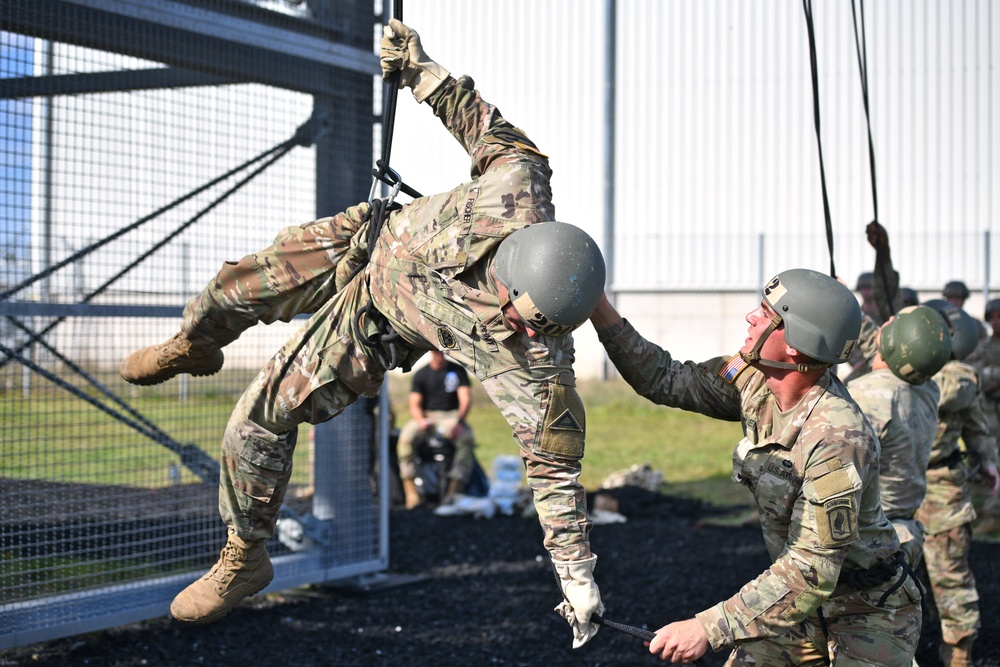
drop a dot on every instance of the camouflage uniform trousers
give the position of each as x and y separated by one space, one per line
989 506
911 540
948 514
298 273
953 585
857 632
319 371
445 422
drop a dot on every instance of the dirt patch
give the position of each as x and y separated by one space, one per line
485 597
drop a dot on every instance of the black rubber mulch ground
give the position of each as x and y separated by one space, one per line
486 599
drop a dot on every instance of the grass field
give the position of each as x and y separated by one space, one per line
694 453
60 438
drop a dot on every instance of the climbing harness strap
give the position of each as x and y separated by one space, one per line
385 343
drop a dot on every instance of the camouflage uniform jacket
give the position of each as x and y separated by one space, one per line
904 416
949 503
815 484
429 275
986 360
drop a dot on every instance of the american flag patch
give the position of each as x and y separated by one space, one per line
732 369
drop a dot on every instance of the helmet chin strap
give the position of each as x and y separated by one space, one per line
753 356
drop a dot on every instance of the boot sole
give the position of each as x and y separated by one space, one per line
165 374
161 378
224 612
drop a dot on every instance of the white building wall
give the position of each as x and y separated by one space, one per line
717 172
716 168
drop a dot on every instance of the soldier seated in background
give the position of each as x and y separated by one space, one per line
440 399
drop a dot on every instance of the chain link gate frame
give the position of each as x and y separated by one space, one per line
122 122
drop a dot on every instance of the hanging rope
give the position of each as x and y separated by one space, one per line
861 48
807 6
639 633
385 343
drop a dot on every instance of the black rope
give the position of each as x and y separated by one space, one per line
386 343
861 48
639 633
807 6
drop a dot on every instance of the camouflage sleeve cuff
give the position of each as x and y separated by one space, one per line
716 626
606 335
442 90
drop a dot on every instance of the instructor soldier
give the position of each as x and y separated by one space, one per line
482 273
838 590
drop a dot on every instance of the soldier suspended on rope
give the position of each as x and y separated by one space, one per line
482 273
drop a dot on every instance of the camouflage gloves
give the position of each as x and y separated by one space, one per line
583 598
401 50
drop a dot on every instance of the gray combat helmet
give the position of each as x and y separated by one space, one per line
554 274
963 329
821 315
915 344
991 307
955 289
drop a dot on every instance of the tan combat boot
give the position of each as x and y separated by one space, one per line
244 569
159 363
410 493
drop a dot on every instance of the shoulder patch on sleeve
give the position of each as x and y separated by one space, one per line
831 488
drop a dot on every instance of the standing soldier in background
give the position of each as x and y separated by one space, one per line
481 272
946 512
440 399
859 362
986 360
838 590
900 400
957 293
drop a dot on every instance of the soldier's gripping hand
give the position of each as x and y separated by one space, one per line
401 51
878 238
583 598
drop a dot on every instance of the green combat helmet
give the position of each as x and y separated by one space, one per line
554 274
915 344
821 315
964 330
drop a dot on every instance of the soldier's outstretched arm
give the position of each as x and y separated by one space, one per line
484 134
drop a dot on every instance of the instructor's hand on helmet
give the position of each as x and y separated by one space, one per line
401 51
583 598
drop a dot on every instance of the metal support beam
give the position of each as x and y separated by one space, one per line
108 82
299 55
